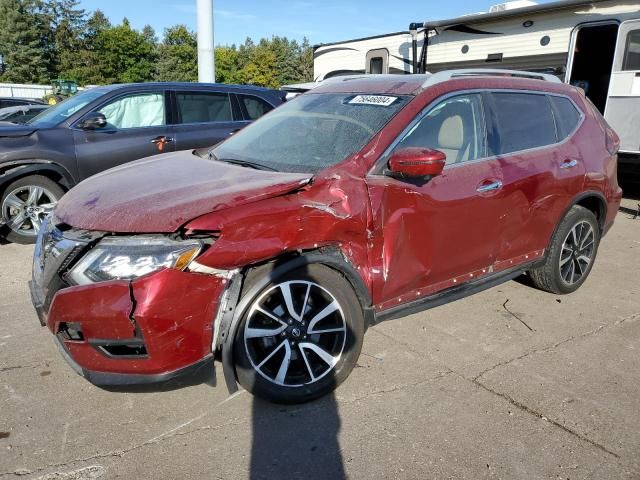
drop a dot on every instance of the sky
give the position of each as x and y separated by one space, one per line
321 22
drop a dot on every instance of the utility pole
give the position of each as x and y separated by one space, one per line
206 61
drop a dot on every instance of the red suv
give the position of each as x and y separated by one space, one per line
366 199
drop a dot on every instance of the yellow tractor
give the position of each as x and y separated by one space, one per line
61 89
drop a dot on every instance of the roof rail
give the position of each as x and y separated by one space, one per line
487 72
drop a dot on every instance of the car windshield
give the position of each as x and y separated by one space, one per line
311 132
63 110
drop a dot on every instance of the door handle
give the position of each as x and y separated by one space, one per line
234 132
569 163
162 139
489 187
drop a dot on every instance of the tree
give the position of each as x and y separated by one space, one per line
178 56
88 65
126 55
23 58
262 68
227 64
62 28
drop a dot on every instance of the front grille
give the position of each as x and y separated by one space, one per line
57 251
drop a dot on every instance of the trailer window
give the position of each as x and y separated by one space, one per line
632 52
524 121
375 65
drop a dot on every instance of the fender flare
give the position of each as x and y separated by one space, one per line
237 306
9 173
574 201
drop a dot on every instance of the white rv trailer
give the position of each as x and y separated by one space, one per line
593 44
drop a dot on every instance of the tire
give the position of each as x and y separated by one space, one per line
566 267
30 199
318 362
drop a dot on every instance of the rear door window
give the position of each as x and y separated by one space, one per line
524 121
566 114
254 107
204 107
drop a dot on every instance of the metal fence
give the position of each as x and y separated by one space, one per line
24 90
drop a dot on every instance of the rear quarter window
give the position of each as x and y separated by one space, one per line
567 116
254 107
524 121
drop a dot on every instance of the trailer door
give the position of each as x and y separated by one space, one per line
623 105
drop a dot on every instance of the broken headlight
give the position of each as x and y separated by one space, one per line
126 258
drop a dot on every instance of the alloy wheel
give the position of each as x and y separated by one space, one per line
577 252
25 207
295 333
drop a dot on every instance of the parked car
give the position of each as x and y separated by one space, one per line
104 127
362 200
21 114
16 102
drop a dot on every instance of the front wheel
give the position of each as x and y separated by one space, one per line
571 253
300 337
24 205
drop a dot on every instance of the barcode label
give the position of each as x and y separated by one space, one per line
381 100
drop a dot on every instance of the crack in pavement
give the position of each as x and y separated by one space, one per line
517 317
18 367
552 346
542 416
521 406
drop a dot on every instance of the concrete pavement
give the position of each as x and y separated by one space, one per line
510 383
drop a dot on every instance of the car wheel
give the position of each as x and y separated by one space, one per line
24 205
300 337
571 253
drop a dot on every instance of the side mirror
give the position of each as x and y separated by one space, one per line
93 121
416 162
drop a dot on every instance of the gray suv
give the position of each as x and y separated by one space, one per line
107 126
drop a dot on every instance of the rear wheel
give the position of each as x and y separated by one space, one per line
24 205
571 254
300 337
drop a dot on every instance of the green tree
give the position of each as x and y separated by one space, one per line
227 64
88 65
23 58
262 68
125 55
62 27
178 56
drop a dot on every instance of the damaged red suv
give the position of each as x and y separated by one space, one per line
366 199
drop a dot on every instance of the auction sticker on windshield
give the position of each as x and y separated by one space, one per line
382 100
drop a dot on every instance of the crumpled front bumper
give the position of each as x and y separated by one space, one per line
151 330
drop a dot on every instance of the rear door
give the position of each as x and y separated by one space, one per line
136 128
623 105
542 169
205 118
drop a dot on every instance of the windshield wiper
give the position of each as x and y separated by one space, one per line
242 163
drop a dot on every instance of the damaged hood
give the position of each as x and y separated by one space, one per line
162 193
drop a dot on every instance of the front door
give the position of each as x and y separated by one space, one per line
623 105
439 234
136 128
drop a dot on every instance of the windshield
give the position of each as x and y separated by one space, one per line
311 132
63 110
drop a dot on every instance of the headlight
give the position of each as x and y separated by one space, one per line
125 258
